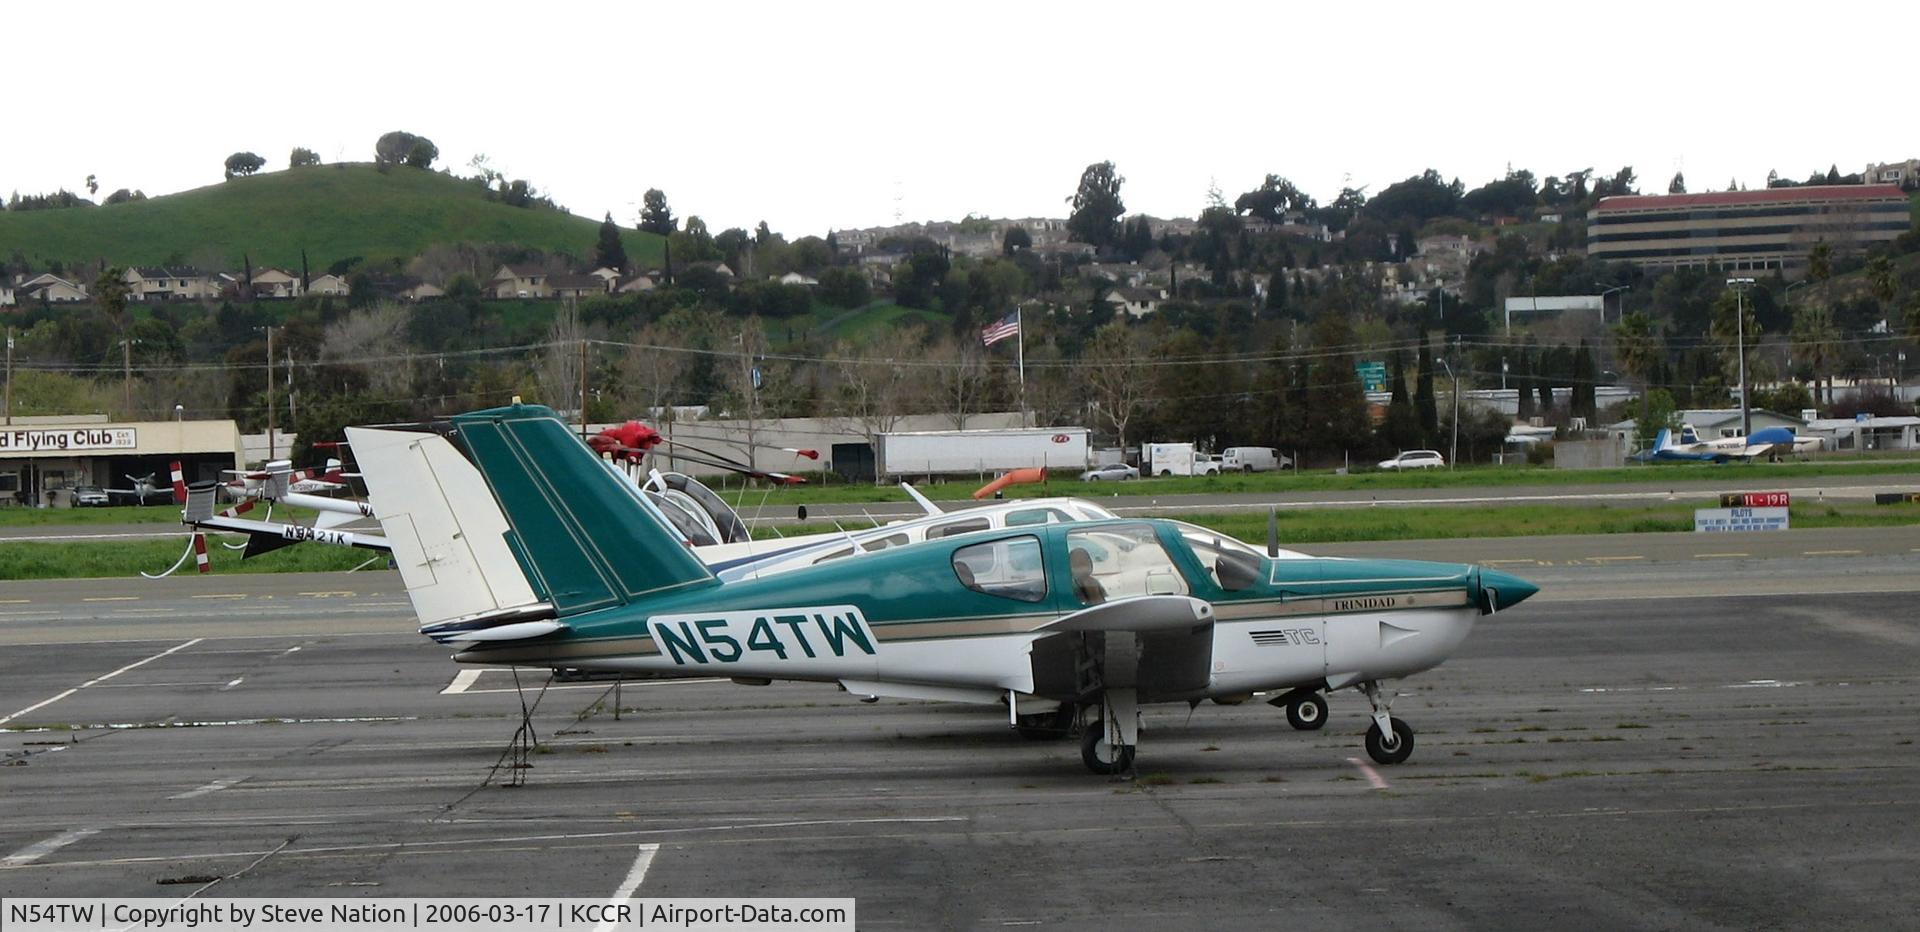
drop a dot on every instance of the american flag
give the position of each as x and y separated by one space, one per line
1001 329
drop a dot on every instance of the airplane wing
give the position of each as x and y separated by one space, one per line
1159 644
1148 614
925 503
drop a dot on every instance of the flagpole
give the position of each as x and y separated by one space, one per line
1020 354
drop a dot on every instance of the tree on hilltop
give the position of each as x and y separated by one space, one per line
243 163
655 216
1678 185
1274 197
1096 206
302 157
610 253
422 153
400 146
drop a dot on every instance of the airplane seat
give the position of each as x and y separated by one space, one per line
965 573
1085 588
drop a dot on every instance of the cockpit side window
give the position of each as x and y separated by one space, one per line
966 526
1010 568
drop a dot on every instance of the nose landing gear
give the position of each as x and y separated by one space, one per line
1389 740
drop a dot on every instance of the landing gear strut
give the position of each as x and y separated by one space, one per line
1106 746
1306 709
1389 740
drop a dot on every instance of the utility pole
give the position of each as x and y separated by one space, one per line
270 444
583 389
9 376
1740 286
126 377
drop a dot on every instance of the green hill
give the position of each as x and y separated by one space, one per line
332 211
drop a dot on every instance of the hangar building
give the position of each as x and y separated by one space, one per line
43 458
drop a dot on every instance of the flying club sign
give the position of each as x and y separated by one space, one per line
67 439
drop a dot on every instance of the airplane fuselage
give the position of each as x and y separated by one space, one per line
906 619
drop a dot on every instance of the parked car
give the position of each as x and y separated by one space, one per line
1112 472
1206 464
1415 459
89 496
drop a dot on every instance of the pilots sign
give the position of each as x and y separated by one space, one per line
67 439
1710 520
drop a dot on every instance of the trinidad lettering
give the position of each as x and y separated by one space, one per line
1365 603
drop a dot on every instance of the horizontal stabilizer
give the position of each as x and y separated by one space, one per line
518 631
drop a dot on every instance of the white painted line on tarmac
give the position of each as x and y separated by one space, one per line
1828 553
214 787
111 598
97 680
635 876
456 843
461 681
1373 776
41 849
1719 556
15 601
290 650
233 682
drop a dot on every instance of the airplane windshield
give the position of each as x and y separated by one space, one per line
1231 563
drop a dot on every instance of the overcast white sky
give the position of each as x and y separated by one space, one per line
833 115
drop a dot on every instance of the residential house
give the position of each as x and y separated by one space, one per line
1139 302
607 275
169 283
1905 174
421 291
795 278
520 281
329 284
635 284
275 283
576 286
50 288
6 295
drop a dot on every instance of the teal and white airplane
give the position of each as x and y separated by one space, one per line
518 546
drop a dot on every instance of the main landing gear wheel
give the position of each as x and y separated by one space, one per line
1390 749
1103 758
1306 710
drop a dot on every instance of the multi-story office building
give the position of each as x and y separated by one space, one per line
1745 230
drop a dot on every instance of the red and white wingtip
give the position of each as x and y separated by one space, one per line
809 454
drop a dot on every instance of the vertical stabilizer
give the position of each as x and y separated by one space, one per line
585 537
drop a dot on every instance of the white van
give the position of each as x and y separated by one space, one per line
1254 459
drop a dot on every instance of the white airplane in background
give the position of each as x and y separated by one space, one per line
1769 441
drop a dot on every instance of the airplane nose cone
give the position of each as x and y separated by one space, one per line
1502 591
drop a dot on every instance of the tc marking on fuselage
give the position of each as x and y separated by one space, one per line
1286 637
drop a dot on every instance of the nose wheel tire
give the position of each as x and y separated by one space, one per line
1390 749
1306 710
1103 758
